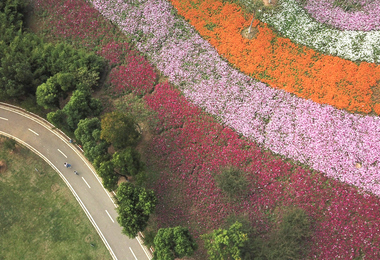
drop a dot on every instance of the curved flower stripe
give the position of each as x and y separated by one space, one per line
294 23
365 19
193 145
327 139
279 62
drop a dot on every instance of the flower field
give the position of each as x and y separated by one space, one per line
327 139
280 63
201 123
194 146
299 25
365 18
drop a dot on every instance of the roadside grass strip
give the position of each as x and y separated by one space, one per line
40 218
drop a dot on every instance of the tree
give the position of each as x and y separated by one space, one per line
233 182
127 162
15 74
119 130
171 243
93 150
80 106
224 244
57 118
135 206
48 94
108 175
289 237
88 134
88 130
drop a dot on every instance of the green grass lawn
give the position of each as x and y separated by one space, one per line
39 216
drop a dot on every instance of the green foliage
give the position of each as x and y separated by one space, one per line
108 175
233 182
349 6
224 244
101 159
64 58
86 78
9 144
288 241
80 106
172 243
57 118
119 130
93 150
48 94
127 162
87 130
149 238
88 134
15 74
27 62
11 17
135 206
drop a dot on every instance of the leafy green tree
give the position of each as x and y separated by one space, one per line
48 94
233 182
288 241
88 130
11 17
57 118
172 243
93 150
66 81
80 106
135 206
15 74
101 159
88 134
108 175
224 244
86 79
119 129
127 162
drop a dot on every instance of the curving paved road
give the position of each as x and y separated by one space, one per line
52 145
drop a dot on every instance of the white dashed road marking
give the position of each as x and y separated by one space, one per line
110 216
86 182
62 153
133 253
33 131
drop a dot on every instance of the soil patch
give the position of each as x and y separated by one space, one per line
270 2
376 93
250 34
3 166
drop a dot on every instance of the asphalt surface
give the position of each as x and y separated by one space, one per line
53 146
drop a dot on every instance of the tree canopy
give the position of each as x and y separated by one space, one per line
233 182
80 106
119 129
135 206
127 162
222 244
106 172
171 243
